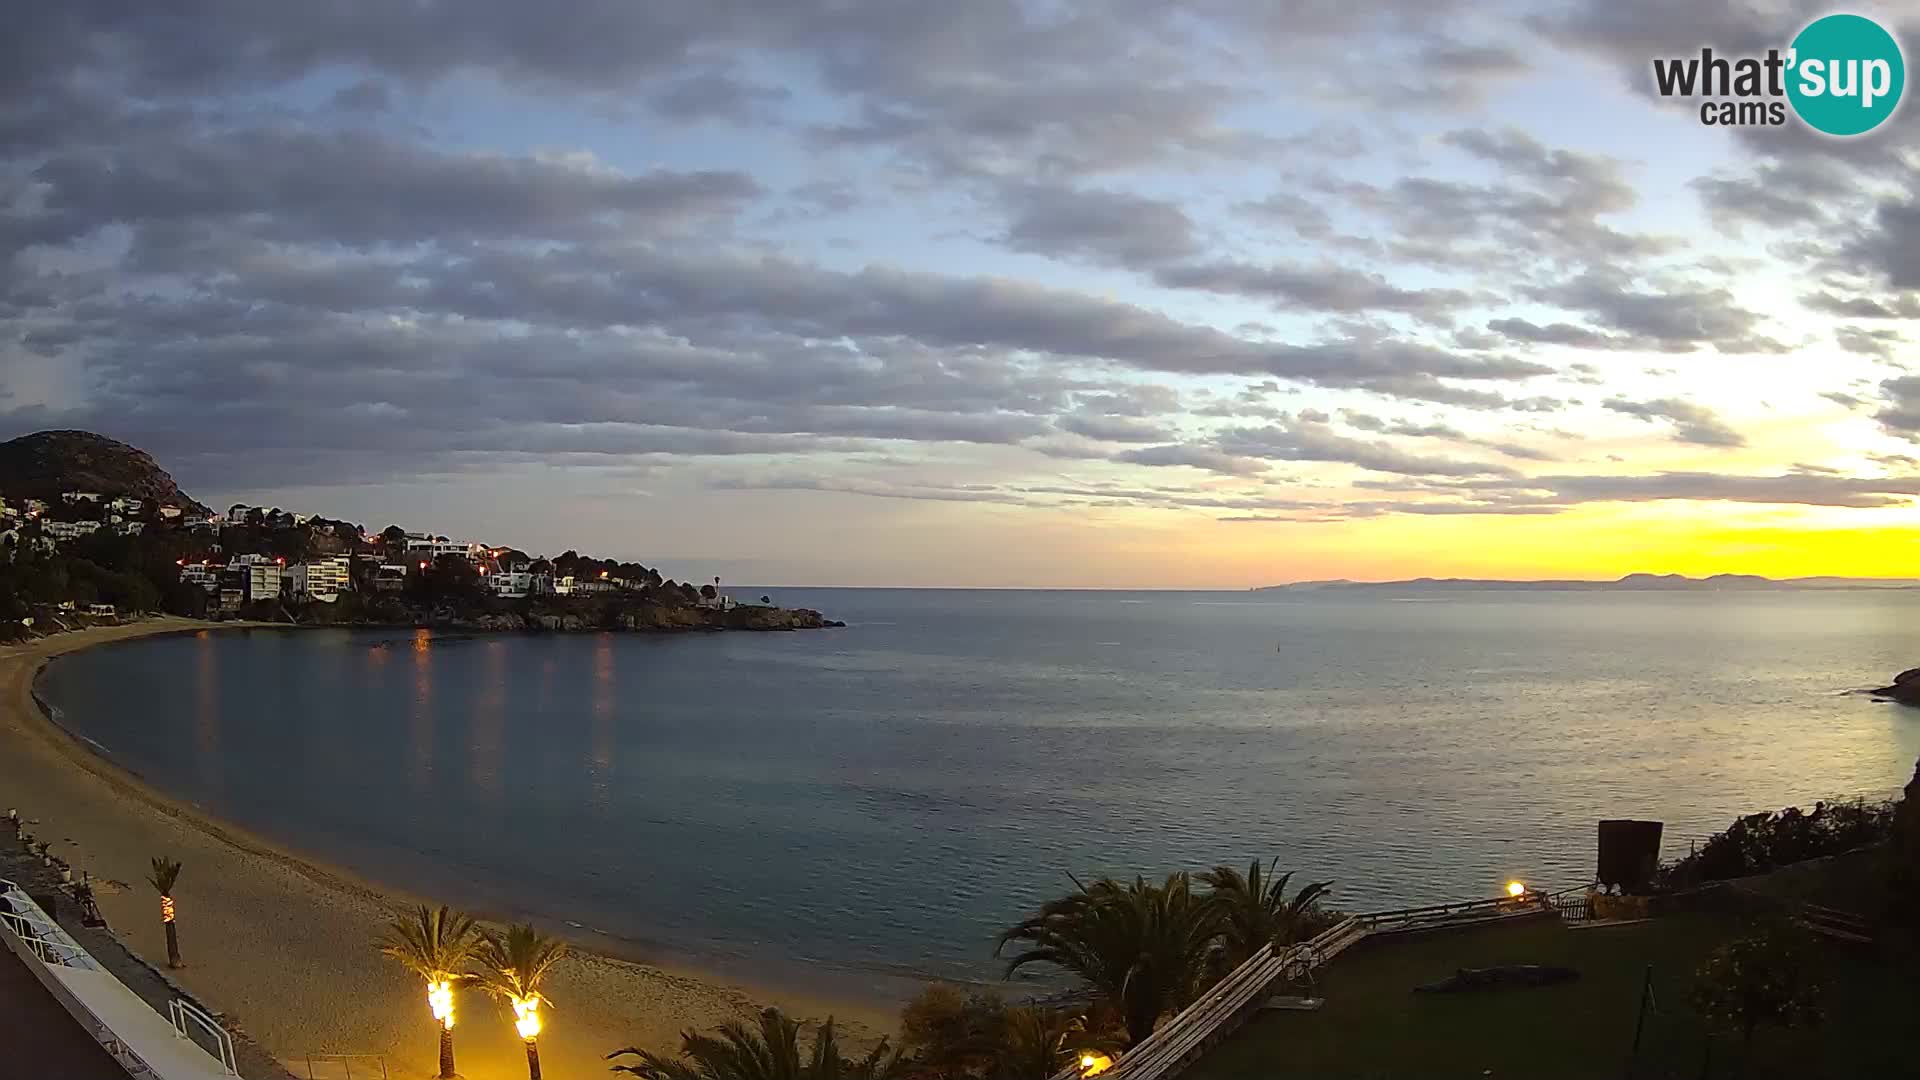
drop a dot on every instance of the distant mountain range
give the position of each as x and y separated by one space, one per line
1630 583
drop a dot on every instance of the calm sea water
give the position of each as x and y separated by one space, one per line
884 798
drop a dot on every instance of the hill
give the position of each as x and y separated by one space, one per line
46 463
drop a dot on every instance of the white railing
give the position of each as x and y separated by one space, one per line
185 1014
39 933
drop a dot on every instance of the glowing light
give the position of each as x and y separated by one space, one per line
1516 889
440 999
526 1017
1093 1063
166 909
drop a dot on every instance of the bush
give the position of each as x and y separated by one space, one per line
1760 842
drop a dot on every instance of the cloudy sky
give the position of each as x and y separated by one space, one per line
1215 293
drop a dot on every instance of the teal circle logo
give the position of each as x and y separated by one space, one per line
1845 75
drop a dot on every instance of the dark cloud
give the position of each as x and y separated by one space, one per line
1900 407
1313 288
1692 423
1098 225
1677 319
1300 440
360 189
1904 306
1866 341
1129 429
1555 334
1197 457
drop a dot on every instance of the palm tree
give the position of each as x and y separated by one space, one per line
435 945
516 965
1255 911
770 1052
166 872
1038 1043
1142 947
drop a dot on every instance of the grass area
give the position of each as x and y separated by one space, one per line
1855 882
1373 1025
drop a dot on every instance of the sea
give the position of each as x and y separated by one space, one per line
870 806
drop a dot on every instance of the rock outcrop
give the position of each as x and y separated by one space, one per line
1905 688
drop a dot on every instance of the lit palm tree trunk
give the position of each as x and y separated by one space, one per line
533 1059
446 1052
173 935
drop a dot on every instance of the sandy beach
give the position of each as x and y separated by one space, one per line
283 945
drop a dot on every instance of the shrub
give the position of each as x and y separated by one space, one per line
1760 842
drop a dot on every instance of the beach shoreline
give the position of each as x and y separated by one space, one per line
251 912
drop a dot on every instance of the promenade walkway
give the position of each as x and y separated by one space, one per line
38 1038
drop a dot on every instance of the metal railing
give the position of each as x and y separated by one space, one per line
187 1017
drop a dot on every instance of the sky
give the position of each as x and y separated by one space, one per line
878 292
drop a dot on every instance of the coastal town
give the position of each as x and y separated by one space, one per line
254 554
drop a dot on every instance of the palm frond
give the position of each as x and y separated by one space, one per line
516 964
433 943
166 874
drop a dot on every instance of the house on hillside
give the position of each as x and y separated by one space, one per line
432 547
391 577
73 497
69 530
169 512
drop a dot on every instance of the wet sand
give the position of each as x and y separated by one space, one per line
284 945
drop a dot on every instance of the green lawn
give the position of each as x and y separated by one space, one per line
1373 1025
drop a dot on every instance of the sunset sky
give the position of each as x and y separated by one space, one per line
1127 294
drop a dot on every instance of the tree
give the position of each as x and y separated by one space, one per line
1905 853
1254 909
770 1052
954 1033
1039 1042
435 945
166 874
1763 979
1141 947
515 967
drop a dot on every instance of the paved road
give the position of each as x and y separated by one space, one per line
38 1038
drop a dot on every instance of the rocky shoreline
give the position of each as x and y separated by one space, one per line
1905 688
555 618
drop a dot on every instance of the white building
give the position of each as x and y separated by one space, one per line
237 513
432 547
324 580
130 528
79 496
169 512
205 575
69 530
261 578
125 504
511 586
